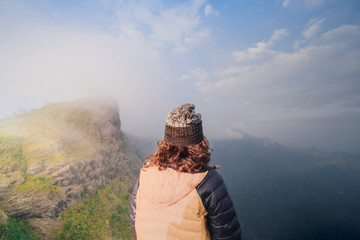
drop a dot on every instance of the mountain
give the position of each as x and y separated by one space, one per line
67 169
63 163
282 192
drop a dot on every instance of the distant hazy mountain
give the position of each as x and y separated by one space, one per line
287 193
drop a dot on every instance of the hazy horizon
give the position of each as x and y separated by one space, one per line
283 69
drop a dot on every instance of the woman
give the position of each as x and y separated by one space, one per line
177 195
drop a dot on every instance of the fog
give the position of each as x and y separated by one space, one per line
287 71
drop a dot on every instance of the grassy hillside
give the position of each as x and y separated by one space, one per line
104 216
16 229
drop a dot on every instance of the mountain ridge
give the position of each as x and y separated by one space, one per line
282 193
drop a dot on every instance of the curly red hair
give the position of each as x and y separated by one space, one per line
191 158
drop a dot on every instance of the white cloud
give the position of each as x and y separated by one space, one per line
319 74
277 35
178 27
208 10
198 74
198 37
237 70
171 27
184 77
261 48
312 29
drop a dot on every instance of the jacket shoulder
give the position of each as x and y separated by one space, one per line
221 219
211 186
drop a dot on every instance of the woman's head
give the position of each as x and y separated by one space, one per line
184 147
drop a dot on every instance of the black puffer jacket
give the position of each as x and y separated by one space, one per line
221 218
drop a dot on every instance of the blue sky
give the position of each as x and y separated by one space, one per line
284 69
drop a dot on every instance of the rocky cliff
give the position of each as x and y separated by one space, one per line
51 156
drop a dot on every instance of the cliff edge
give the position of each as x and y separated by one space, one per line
51 156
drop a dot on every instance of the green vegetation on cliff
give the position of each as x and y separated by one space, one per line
104 216
38 184
11 151
16 229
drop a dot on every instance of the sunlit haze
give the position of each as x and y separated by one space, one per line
288 70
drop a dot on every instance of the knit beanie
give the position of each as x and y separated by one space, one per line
183 126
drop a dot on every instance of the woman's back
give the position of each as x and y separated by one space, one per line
178 196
